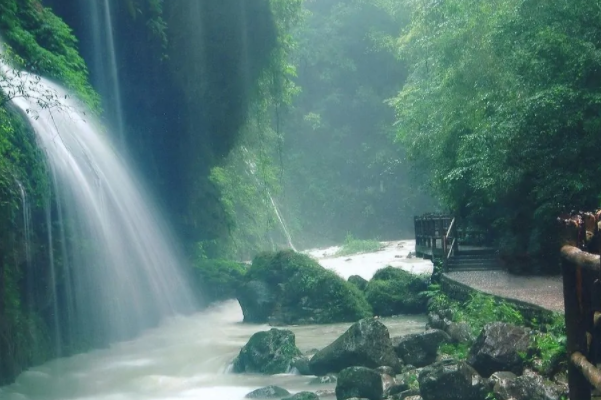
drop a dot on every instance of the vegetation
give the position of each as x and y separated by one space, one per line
217 280
340 172
547 348
305 292
355 246
45 45
501 108
393 291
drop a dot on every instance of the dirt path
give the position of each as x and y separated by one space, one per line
543 291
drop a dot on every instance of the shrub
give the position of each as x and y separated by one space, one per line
218 280
394 291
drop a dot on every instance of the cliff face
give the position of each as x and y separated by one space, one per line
184 94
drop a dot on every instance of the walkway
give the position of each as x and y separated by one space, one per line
543 291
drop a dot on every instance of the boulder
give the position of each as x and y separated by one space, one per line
527 387
434 321
419 349
498 348
326 393
366 343
358 281
301 365
451 380
256 300
393 291
268 392
303 396
459 332
359 382
406 395
270 352
292 288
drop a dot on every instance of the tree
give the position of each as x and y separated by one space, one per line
502 110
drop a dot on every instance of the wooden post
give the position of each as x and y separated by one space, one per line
580 388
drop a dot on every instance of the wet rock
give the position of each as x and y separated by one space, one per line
397 388
500 377
256 300
268 392
530 387
358 281
270 352
303 396
498 348
451 380
301 365
386 370
325 393
366 343
419 349
407 394
434 321
359 382
459 332
388 382
323 380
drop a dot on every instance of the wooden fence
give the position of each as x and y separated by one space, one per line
581 268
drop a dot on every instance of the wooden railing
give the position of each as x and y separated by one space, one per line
450 236
432 235
582 297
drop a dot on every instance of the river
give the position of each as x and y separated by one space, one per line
184 358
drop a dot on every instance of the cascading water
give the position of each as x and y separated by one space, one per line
117 272
253 171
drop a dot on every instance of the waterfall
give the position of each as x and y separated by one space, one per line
252 168
116 269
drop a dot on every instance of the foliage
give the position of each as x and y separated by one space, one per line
482 309
249 180
356 246
340 172
393 291
45 45
501 109
308 292
458 351
218 280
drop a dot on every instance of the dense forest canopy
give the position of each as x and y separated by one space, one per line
501 108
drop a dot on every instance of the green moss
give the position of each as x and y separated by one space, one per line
394 291
306 291
218 280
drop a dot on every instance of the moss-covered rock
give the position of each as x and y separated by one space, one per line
269 352
300 291
303 396
359 382
393 291
218 280
358 281
268 392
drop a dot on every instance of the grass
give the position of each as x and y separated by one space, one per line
357 246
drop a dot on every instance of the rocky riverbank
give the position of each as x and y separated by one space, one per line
478 349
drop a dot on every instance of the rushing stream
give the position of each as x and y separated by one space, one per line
185 358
